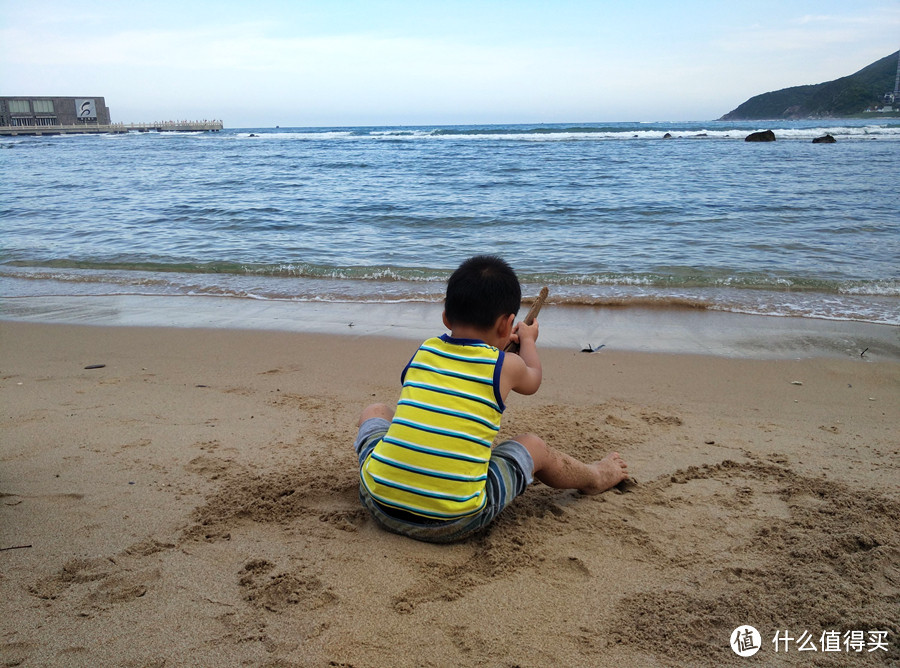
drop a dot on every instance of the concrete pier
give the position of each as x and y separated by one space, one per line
113 128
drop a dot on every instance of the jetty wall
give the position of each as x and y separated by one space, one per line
110 128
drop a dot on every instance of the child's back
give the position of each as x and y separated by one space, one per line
433 461
429 470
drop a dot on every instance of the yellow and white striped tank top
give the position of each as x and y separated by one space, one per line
434 459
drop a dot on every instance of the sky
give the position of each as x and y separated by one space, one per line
296 63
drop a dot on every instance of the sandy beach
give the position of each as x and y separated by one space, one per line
193 502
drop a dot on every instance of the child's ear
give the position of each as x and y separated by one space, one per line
505 325
446 322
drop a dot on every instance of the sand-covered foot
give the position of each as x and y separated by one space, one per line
611 470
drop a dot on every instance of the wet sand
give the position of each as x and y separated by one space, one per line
639 329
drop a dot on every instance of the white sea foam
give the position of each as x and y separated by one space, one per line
878 288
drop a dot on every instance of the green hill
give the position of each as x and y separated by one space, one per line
842 97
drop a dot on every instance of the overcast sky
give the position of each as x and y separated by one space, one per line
382 62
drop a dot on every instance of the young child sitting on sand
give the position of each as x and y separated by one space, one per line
428 470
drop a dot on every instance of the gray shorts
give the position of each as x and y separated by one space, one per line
510 471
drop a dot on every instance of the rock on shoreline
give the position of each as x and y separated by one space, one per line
765 135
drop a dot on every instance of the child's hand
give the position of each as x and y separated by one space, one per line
523 332
523 371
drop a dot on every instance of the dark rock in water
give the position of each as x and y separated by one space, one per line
765 135
667 136
827 139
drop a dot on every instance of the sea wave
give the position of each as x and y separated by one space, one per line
712 130
129 272
875 302
733 134
842 129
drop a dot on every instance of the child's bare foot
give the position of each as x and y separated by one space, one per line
611 470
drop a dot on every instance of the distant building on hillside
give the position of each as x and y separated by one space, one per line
892 99
49 111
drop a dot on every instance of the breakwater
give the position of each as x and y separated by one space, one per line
112 128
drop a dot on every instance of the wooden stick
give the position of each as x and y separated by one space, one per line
532 314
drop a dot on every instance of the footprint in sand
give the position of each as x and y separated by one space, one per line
279 591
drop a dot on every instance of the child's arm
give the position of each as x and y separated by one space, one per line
522 372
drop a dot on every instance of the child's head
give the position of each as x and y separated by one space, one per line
481 290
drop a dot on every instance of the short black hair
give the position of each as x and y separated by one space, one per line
482 289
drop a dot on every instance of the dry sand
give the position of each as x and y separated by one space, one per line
193 503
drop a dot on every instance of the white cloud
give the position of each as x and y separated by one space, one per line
382 72
812 33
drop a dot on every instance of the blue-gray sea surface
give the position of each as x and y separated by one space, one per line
604 214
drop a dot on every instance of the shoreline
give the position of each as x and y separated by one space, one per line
629 328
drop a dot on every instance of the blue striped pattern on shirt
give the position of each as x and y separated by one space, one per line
434 459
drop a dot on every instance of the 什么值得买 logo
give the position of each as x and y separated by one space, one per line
747 641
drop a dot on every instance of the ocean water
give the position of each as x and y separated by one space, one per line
604 214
